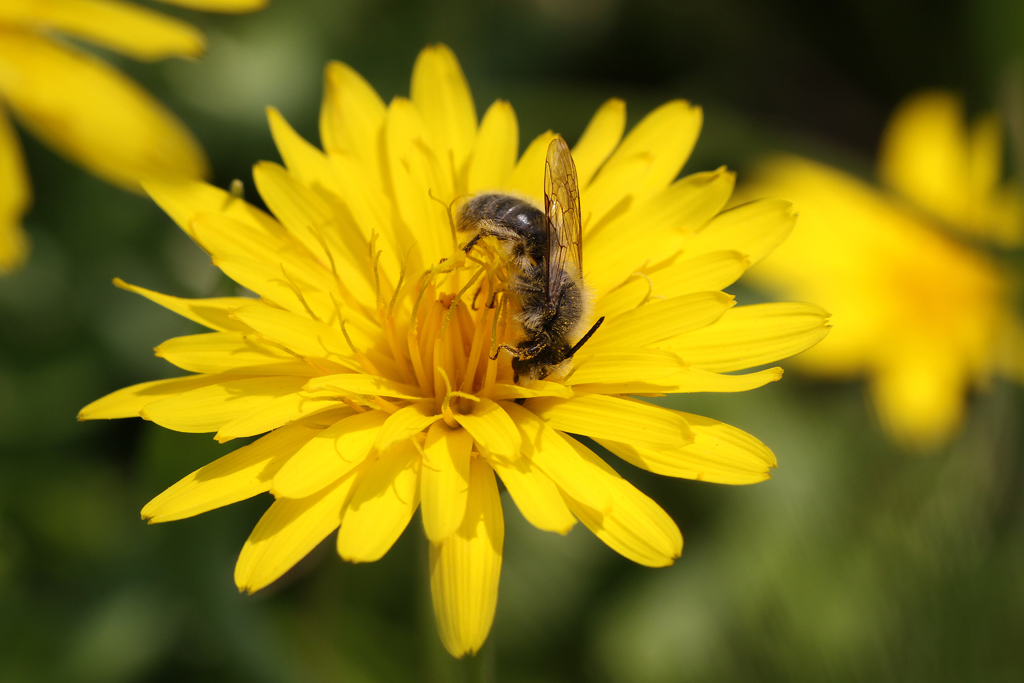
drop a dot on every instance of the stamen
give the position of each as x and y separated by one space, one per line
401 280
367 364
375 255
353 405
458 298
385 405
650 289
491 374
311 362
298 293
426 279
473 361
426 345
318 233
447 412
448 210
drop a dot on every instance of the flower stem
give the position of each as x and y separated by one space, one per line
480 668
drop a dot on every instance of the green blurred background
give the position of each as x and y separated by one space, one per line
857 562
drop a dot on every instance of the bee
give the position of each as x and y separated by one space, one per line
545 254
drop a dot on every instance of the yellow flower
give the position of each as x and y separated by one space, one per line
922 315
84 108
368 357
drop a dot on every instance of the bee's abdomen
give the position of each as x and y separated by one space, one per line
505 211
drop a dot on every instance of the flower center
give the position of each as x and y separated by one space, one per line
445 330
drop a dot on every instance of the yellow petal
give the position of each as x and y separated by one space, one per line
720 453
920 395
307 163
367 203
711 271
535 494
356 383
444 481
464 569
328 456
310 219
126 28
492 429
623 365
634 525
440 92
996 210
274 413
608 417
537 388
130 401
748 336
310 216
418 180
548 451
185 200
302 213
239 475
209 408
695 379
622 246
255 248
527 177
382 505
929 155
661 320
406 423
213 352
299 334
687 380
15 198
92 113
293 294
225 237
600 138
352 119
226 6
494 154
287 532
754 229
924 153
705 273
663 140
604 199
214 313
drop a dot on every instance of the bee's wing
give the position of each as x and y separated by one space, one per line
562 213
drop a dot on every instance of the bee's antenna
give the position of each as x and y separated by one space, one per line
587 336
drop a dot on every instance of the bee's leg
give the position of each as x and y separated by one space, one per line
468 246
525 352
587 336
515 351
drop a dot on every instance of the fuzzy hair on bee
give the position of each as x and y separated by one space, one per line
545 258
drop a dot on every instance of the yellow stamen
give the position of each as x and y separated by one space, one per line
290 283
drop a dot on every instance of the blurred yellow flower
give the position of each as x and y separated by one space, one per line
923 315
84 108
368 357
